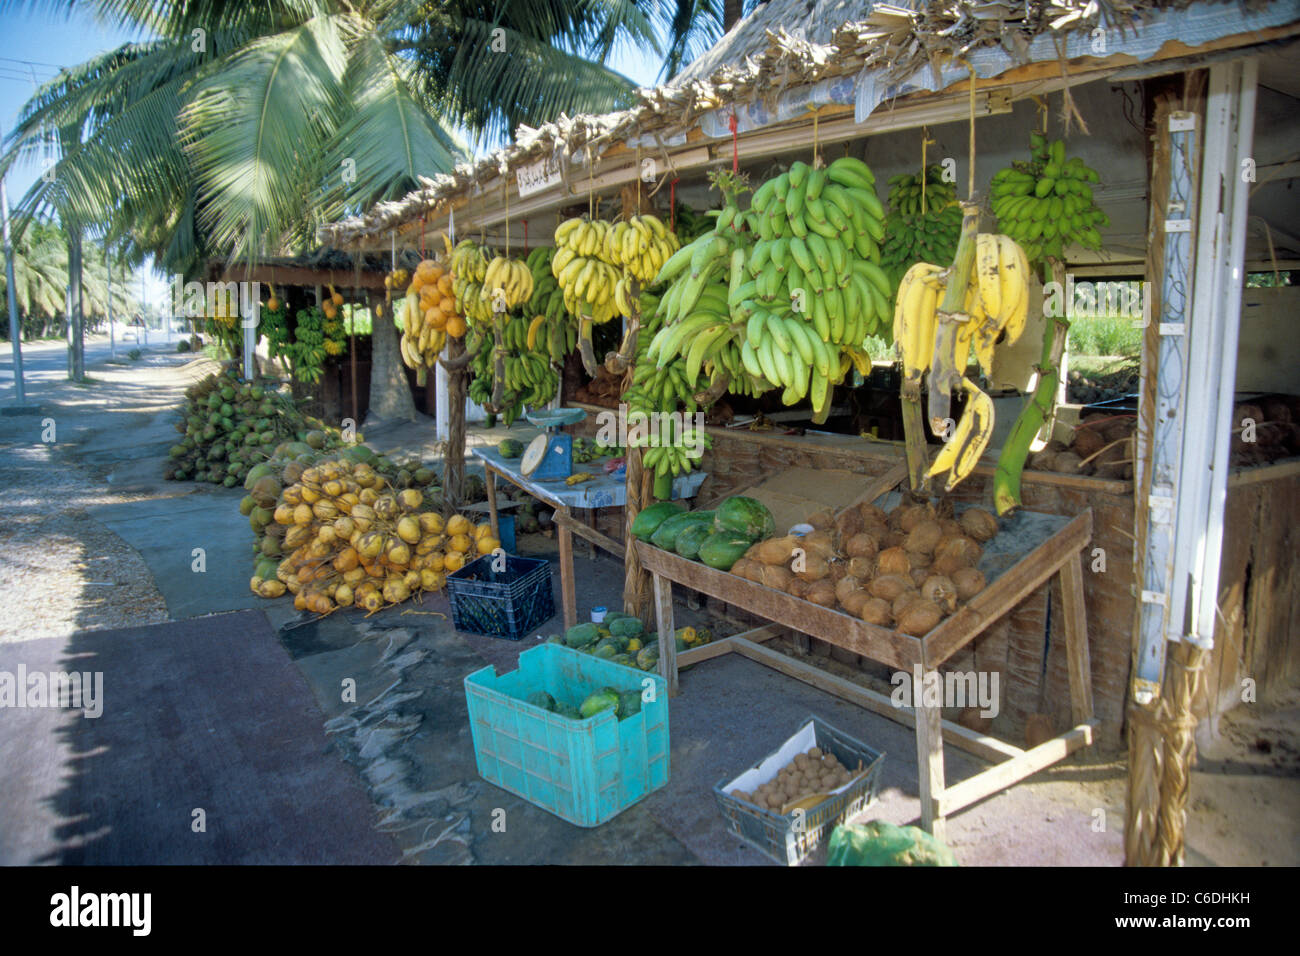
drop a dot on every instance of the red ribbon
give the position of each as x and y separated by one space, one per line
735 145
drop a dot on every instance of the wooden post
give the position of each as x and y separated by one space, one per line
929 764
453 480
1076 640
663 589
568 593
491 483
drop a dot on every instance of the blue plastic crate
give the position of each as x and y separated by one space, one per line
508 603
583 771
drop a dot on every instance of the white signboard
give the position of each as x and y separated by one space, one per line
538 176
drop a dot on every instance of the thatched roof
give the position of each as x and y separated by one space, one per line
782 45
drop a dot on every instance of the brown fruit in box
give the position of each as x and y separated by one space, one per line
848 524
978 524
861 546
924 536
942 591
862 568
894 539
947 564
1117 429
854 602
741 567
1112 461
777 550
812 567
919 575
1044 460
1067 463
872 514
875 610
752 553
822 520
798 587
913 516
1087 441
969 582
949 527
893 561
839 569
774 576
962 547
920 618
823 593
890 586
820 543
919 559
901 602
847 585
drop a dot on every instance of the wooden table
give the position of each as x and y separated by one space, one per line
604 491
1059 554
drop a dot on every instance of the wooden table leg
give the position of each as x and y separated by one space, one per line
568 593
663 594
1076 640
492 501
929 764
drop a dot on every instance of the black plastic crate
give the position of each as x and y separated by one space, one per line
787 839
507 603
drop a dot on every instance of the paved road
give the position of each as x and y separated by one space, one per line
47 361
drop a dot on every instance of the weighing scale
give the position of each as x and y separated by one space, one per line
550 454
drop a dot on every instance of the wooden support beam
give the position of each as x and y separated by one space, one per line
589 533
929 766
568 592
979 745
1076 640
663 597
1018 768
726 645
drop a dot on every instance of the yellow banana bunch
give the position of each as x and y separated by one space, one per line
919 293
641 246
508 280
1002 279
469 266
587 279
962 448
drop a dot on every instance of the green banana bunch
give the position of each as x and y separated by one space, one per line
558 333
674 449
919 229
1047 203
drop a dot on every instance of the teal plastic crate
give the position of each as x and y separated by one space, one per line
583 771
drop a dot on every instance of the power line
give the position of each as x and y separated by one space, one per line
12 59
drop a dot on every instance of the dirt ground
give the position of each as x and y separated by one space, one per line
64 572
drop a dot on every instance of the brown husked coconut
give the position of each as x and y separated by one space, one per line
923 537
877 530
814 568
949 527
913 516
919 575
960 547
919 559
862 568
894 539
893 561
854 602
777 550
1087 441
901 602
1067 463
820 543
741 567
822 520
848 524
875 610
823 593
942 591
947 565
920 617
845 586
889 586
839 570
798 587
969 582
1044 460
979 524
861 546
774 576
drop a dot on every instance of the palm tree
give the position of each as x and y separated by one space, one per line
692 26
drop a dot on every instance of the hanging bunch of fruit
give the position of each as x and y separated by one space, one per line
674 450
924 222
803 285
274 324
428 315
996 299
530 379
1046 204
585 276
551 323
469 265
639 246
658 388
507 284
308 349
332 326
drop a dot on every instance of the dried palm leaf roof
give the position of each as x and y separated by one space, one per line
760 58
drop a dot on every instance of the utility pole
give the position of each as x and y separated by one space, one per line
108 268
15 328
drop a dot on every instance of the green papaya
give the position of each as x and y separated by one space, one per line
627 627
629 703
511 448
722 549
602 700
648 657
647 520
665 535
747 516
540 698
581 635
691 538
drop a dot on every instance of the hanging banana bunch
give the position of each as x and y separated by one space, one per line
507 284
920 227
1047 203
469 265
639 246
995 308
557 328
586 277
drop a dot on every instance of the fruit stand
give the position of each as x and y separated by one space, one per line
1045 546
